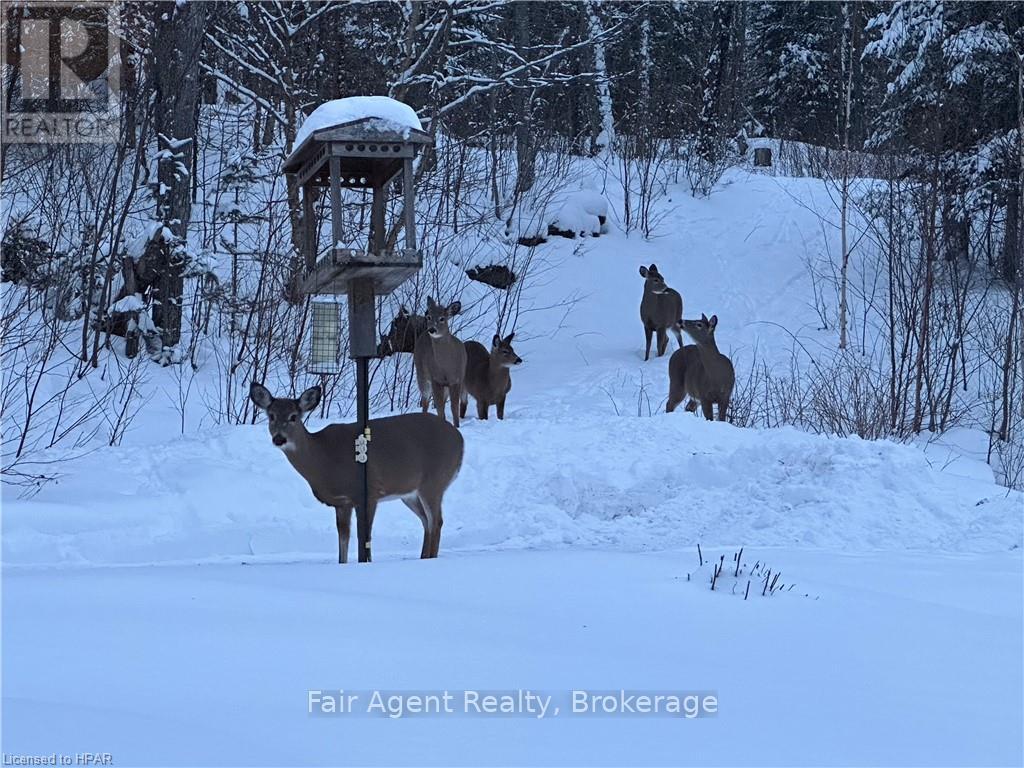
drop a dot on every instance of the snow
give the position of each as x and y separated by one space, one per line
594 481
903 658
130 303
173 599
399 117
578 211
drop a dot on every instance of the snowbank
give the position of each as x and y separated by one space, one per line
574 480
347 110
571 213
582 213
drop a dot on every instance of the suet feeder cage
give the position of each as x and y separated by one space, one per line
325 352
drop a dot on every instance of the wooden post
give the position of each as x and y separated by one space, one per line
335 168
362 320
410 204
377 233
308 227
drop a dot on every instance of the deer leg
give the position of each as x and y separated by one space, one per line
481 409
439 397
675 397
723 408
678 334
648 332
456 394
424 386
501 408
462 409
708 408
343 516
662 341
691 406
364 537
432 506
413 503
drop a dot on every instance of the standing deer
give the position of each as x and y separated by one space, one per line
487 375
440 360
700 371
661 308
414 457
402 335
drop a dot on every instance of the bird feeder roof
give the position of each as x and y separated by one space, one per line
377 121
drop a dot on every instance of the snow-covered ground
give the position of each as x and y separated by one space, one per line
568 539
891 659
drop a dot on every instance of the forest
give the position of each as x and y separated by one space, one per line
179 242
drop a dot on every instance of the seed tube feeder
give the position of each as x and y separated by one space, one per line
356 143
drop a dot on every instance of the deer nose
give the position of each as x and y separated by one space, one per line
280 440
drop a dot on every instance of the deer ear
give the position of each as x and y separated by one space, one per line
496 340
704 317
654 268
643 271
713 321
430 302
454 308
403 311
260 396
310 399
508 339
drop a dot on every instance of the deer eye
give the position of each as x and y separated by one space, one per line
270 417
292 417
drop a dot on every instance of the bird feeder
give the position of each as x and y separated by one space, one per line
355 143
325 336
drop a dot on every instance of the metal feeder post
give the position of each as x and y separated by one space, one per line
363 154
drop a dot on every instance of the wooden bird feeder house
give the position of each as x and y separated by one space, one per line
349 147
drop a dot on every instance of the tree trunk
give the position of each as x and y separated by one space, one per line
525 153
606 132
174 71
709 125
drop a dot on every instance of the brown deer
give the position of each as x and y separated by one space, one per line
414 457
402 335
440 360
700 371
661 308
487 374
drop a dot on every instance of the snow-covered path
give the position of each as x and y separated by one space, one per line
908 659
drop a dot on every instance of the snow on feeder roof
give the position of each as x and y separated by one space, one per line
368 127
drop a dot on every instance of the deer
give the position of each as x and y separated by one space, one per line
440 360
660 310
700 371
487 374
405 328
413 457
